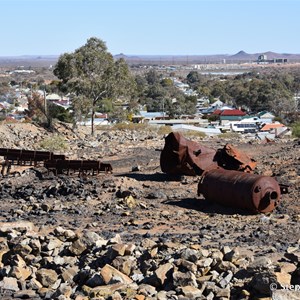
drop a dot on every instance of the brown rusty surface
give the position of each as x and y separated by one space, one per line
181 156
55 162
95 166
230 158
21 156
236 189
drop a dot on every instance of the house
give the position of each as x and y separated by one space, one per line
217 103
273 130
229 115
209 131
246 125
144 116
272 126
266 116
207 111
53 97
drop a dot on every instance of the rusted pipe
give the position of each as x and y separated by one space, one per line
254 193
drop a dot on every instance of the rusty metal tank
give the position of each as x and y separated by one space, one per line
254 193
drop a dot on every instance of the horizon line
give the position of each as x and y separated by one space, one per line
162 55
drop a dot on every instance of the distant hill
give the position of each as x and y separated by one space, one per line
28 61
242 56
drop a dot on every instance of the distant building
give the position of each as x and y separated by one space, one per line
217 104
266 116
21 72
269 127
228 115
263 59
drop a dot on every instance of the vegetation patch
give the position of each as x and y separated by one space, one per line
54 143
164 130
229 135
296 129
193 134
130 126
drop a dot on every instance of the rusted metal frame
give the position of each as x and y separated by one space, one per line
6 164
23 156
80 166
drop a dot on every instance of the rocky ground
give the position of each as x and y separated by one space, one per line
138 233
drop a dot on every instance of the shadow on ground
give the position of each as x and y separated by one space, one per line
205 206
158 177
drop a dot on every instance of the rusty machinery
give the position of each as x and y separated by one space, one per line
54 162
226 174
27 157
181 156
252 192
60 166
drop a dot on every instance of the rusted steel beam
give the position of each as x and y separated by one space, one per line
82 166
23 157
236 189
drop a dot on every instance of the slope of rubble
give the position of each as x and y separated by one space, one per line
138 233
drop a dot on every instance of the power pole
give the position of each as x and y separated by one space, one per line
45 102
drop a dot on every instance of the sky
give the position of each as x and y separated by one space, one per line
150 27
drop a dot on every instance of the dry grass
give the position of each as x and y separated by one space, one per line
229 135
54 143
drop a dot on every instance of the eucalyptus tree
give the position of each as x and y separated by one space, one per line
91 73
5 89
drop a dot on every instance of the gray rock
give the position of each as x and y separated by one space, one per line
191 292
53 243
147 290
46 277
226 279
25 294
260 263
184 279
125 264
190 255
10 284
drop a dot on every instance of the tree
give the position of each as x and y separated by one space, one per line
60 113
193 77
4 89
38 109
91 73
152 77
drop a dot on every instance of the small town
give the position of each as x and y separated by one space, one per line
206 114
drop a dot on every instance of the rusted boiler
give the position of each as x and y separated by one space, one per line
254 193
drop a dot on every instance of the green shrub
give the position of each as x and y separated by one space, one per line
296 129
54 143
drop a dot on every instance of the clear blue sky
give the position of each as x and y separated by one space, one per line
150 27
